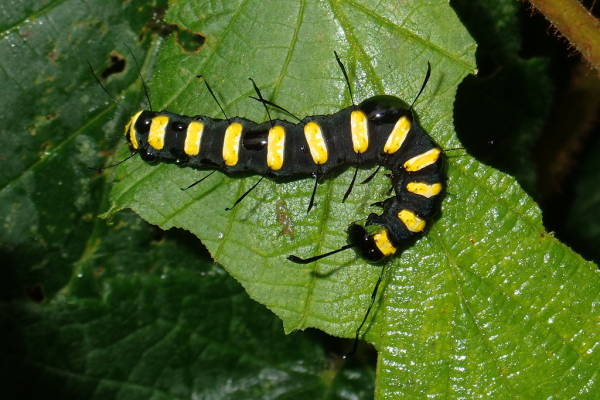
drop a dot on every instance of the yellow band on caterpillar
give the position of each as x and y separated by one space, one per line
276 147
398 136
421 161
231 144
130 130
193 138
424 189
359 129
412 222
316 142
156 138
382 241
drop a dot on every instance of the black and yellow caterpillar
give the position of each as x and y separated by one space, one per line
380 130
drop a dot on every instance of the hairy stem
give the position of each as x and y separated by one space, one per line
575 23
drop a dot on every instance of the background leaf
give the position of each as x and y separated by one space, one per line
488 302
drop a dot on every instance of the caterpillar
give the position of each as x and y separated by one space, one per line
379 130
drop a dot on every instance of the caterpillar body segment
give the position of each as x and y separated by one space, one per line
300 151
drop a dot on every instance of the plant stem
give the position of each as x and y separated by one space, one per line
575 23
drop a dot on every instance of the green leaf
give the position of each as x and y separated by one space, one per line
486 302
146 337
331 295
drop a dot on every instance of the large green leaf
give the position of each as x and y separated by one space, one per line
302 75
486 302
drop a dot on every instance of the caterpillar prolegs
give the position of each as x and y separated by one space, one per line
380 130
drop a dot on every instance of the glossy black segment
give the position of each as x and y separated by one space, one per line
364 243
147 156
180 157
178 126
144 121
255 140
384 109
